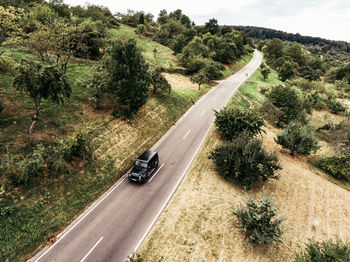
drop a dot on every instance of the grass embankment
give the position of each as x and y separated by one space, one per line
164 56
198 224
30 215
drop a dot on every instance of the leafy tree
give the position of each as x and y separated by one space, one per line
159 82
212 26
194 48
297 139
261 44
185 20
327 251
265 72
287 70
9 22
259 221
41 83
6 64
129 73
273 50
289 100
295 53
2 106
200 78
141 19
140 30
232 121
162 17
243 160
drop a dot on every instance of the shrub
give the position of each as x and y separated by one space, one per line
270 112
232 121
77 146
297 139
30 167
159 82
243 160
2 106
6 64
327 251
259 221
289 100
336 107
337 166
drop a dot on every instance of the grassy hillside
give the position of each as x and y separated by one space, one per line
164 56
32 214
198 224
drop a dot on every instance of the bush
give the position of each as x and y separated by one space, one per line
327 251
244 161
259 221
337 166
2 106
270 112
6 64
289 100
159 82
336 107
232 121
77 146
297 139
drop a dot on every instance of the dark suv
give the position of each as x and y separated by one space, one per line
144 166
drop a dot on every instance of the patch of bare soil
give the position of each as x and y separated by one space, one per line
178 81
198 224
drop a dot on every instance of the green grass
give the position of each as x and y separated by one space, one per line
231 69
250 90
164 56
30 215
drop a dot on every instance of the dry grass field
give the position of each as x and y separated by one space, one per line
198 224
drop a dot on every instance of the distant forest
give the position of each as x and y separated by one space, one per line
267 33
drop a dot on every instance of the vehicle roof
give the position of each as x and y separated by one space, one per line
147 155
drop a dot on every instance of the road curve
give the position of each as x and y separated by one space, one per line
116 224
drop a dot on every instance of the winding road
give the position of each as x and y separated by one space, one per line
116 224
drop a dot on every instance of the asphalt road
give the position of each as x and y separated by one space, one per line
116 224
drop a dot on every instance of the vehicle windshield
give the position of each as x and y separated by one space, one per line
141 163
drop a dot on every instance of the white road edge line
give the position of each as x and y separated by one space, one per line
156 173
91 250
186 134
103 198
172 192
182 176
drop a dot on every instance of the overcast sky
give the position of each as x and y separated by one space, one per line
324 18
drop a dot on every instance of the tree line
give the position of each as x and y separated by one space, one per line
267 33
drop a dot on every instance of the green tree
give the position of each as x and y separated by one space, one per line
200 78
129 73
295 53
232 121
140 30
297 139
159 82
287 70
259 221
327 251
265 72
41 83
162 17
289 100
2 106
194 48
244 161
273 50
212 26
9 22
142 19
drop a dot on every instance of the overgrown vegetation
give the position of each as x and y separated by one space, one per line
243 160
232 121
327 251
259 221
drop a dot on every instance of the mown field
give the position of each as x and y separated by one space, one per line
198 224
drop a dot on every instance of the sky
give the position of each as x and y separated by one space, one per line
328 19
